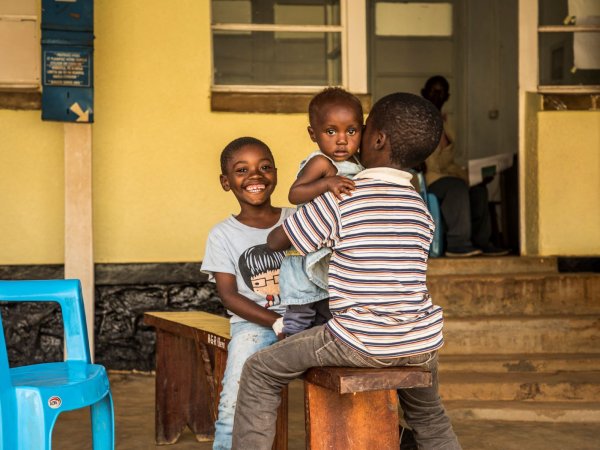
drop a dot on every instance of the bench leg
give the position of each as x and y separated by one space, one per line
182 390
351 421
281 427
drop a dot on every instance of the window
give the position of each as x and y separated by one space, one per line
569 46
19 55
19 46
273 55
284 45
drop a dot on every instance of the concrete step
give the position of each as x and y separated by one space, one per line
491 265
535 387
523 411
548 363
523 294
510 335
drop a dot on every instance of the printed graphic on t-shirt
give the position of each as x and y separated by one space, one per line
259 267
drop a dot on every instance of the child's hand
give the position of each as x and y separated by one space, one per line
278 328
338 185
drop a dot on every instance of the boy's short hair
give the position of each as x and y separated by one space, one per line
235 145
412 124
333 95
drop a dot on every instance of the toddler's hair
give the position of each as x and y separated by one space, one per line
235 145
412 124
333 95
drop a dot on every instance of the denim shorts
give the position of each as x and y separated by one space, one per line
303 279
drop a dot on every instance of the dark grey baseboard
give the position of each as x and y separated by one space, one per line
114 274
579 264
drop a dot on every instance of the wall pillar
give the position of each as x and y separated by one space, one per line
79 248
528 84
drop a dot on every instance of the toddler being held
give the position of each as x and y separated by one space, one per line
336 122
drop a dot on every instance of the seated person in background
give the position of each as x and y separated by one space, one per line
465 210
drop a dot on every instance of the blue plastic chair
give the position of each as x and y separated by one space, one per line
433 205
32 397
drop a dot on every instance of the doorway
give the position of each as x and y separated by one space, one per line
474 45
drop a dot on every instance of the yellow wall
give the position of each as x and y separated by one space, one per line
569 182
156 145
31 189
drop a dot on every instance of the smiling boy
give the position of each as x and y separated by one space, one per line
245 270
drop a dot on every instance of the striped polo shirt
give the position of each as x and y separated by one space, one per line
380 237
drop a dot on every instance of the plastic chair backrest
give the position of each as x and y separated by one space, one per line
8 402
4 373
67 293
32 396
433 205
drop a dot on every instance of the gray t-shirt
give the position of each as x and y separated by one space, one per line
240 250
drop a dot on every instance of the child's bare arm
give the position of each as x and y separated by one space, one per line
318 176
278 240
240 305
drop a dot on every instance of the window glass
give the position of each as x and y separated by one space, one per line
553 12
565 61
19 45
567 55
278 12
413 19
301 45
276 58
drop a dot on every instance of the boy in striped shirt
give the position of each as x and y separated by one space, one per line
382 313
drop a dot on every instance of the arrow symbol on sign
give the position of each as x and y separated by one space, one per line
81 115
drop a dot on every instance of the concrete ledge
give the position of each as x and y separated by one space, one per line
491 265
516 294
510 335
524 411
32 272
21 100
575 387
519 363
269 102
149 273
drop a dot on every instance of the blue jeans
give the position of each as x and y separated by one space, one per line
246 339
268 371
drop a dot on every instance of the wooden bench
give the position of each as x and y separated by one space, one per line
191 352
356 408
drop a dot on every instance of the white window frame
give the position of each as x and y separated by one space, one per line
353 50
31 83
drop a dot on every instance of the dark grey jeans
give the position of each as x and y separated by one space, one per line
465 212
266 372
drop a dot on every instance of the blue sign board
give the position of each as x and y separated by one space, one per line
68 67
67 60
73 15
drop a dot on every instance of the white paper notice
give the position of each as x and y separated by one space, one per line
488 166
